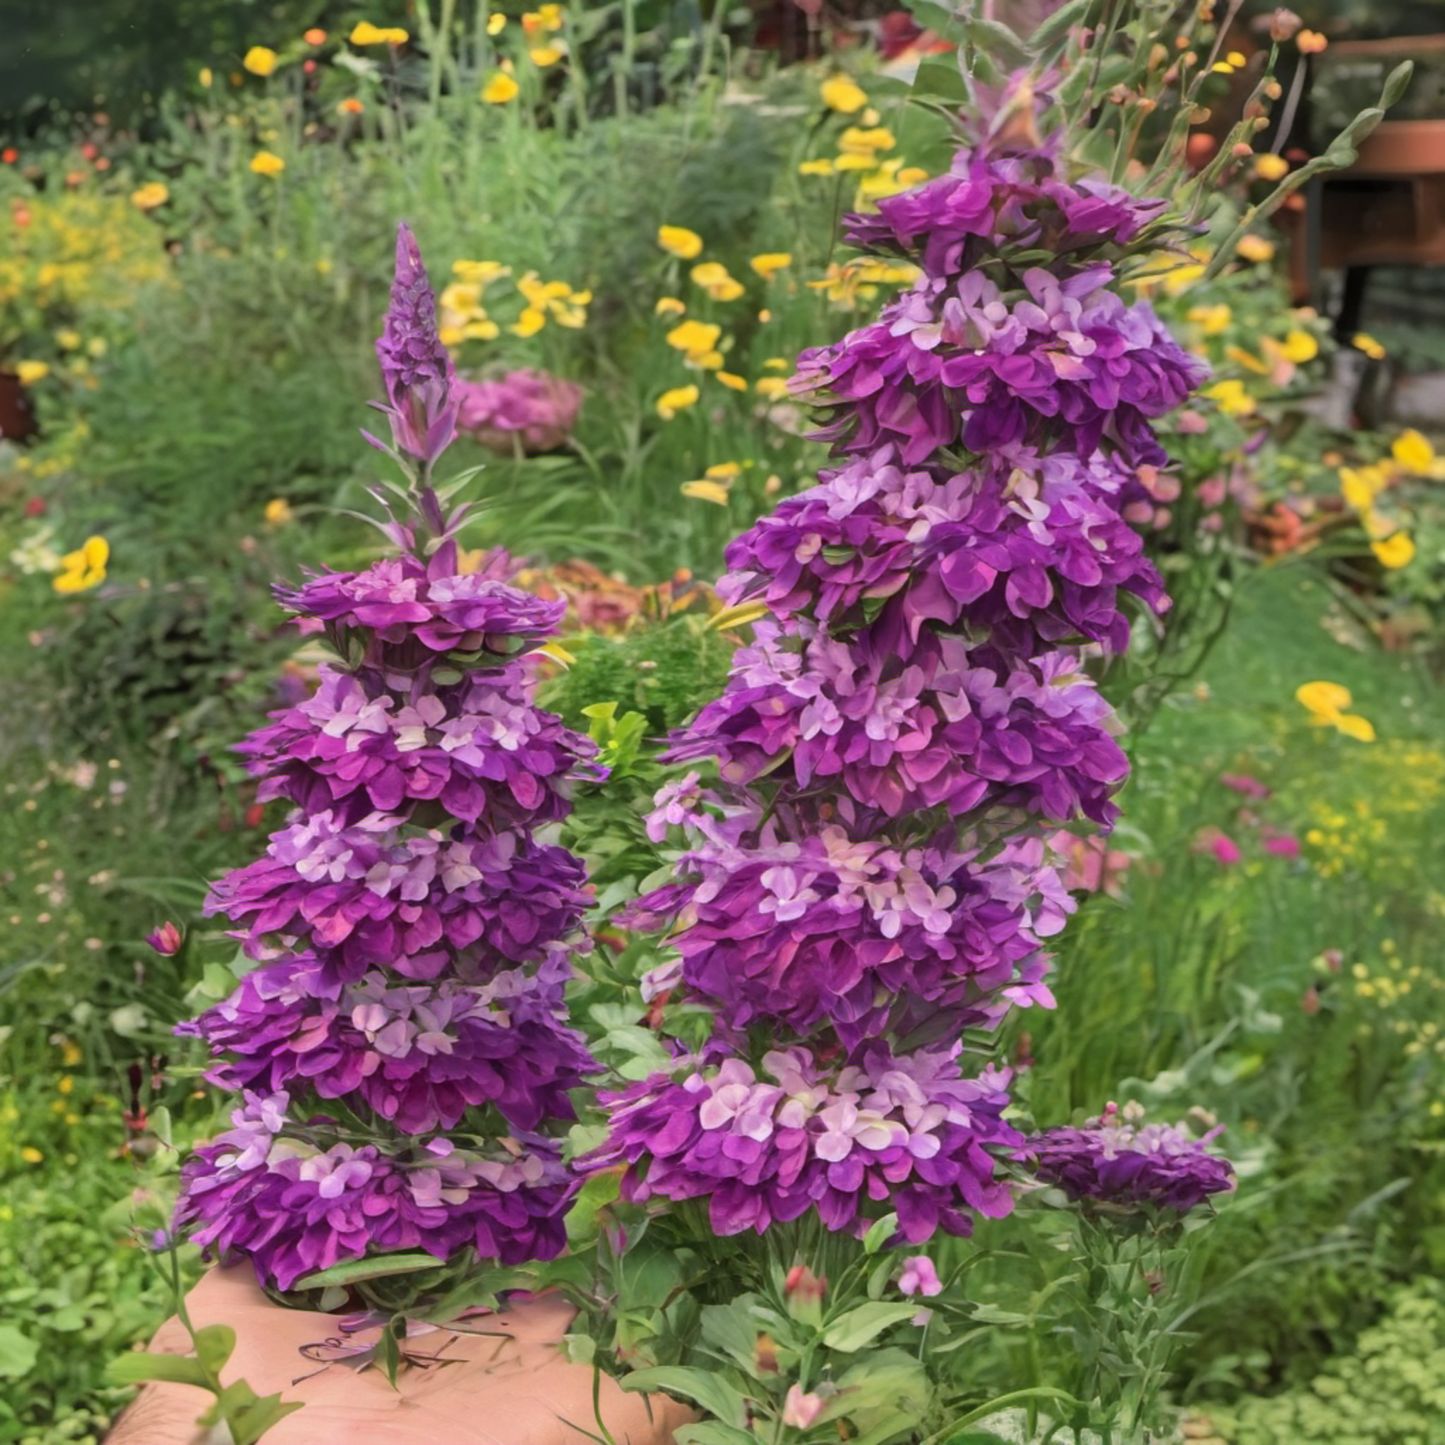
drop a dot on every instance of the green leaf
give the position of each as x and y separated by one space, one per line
879 1233
860 1326
215 1344
596 1194
18 1353
710 1432
1059 24
138 1367
993 36
938 78
712 1392
250 1415
375 1267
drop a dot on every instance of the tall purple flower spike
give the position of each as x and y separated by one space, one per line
415 367
400 1045
870 873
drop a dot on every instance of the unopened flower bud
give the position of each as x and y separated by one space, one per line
800 1410
166 939
1283 25
1239 150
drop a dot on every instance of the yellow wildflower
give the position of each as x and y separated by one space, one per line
265 163
853 161
770 263
496 22
1361 341
365 33
1394 551
816 168
1413 452
733 382
150 195
714 278
206 76
723 471
679 241
859 142
480 272
1231 397
777 363
67 339
1300 346
1254 248
706 491
1211 320
1269 167
500 89
545 55
676 400
1326 703
668 306
30 1154
771 388
278 512
1361 485
84 568
1246 359
30 372
694 338
529 323
544 18
259 60
843 94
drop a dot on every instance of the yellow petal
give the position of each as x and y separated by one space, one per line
30 372
1395 551
739 616
734 383
1413 452
500 89
495 22
705 491
1356 489
96 552
694 336
1255 248
843 94
259 60
723 471
1300 346
669 306
1324 699
771 388
266 163
545 55
529 323
676 400
679 241
1354 726
1361 341
770 263
557 653
1271 167
816 168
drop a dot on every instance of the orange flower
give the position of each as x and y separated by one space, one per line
314 36
351 106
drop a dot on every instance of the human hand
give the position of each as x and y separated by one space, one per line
509 1386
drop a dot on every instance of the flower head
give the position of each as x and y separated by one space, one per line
919 1277
259 60
84 568
267 163
679 241
415 367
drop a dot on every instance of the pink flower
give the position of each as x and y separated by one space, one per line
1246 786
1282 845
919 1277
531 407
800 1410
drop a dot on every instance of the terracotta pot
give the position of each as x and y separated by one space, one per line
17 421
509 1386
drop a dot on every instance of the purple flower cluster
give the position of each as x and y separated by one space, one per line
267 1189
1118 1161
945 725
1032 548
913 724
886 1133
414 936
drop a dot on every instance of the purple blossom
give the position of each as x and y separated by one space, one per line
951 364
528 409
1119 1162
420 901
266 1189
942 726
905 1133
402 613
951 223
858 938
1031 547
479 748
417 1055
416 368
